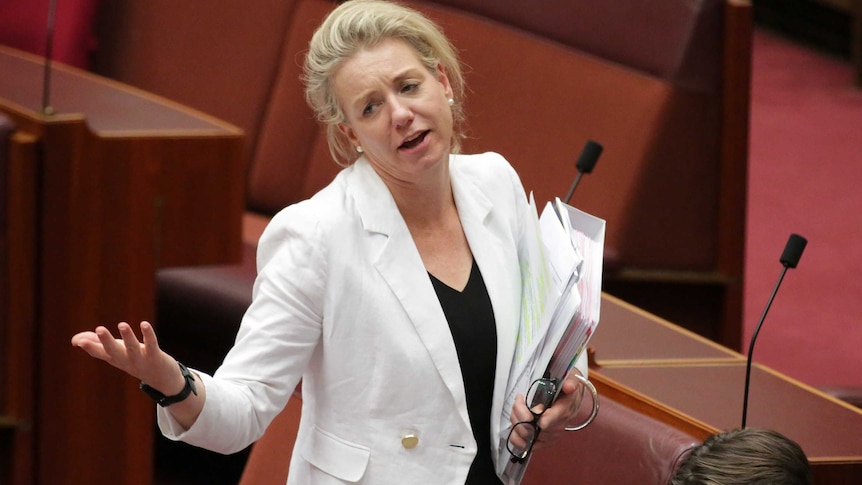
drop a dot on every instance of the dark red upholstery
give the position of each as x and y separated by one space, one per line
621 447
219 294
674 41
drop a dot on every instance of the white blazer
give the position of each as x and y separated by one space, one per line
343 301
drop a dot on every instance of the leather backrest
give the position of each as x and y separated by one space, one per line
656 184
538 101
291 148
220 58
621 447
677 41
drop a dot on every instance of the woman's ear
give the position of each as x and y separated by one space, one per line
348 132
443 79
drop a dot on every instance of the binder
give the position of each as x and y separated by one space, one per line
561 258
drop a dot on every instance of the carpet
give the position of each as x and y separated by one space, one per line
805 177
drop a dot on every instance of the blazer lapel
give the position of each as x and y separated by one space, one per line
476 211
398 262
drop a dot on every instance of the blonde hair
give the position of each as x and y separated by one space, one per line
356 24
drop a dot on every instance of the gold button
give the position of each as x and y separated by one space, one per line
409 441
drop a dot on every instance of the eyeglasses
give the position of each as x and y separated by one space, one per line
539 398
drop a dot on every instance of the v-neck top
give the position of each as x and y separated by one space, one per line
471 321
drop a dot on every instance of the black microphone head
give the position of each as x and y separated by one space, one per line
793 250
589 156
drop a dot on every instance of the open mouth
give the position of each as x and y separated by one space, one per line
416 140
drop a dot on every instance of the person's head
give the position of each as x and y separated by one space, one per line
361 26
748 456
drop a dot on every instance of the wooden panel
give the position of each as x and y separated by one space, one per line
17 308
733 167
126 183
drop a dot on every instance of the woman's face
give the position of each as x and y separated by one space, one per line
395 109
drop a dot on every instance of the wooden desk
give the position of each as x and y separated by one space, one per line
97 196
704 398
697 386
627 335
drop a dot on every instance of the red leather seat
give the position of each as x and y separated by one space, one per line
621 447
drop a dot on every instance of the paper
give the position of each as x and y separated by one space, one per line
561 269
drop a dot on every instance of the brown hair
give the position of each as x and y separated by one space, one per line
749 456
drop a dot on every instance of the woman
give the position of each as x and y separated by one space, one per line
393 293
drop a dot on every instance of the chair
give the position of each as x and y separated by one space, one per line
620 447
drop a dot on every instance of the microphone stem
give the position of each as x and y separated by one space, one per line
49 47
572 188
751 346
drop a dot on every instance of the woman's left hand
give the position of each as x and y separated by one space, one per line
560 415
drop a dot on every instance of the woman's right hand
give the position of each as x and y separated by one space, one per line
145 361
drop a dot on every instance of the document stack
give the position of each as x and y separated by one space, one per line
561 270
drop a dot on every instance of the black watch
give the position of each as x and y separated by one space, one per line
163 400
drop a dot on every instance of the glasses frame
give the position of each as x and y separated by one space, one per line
534 423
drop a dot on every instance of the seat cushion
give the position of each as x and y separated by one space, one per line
199 309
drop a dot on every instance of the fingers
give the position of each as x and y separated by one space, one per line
84 338
113 349
574 396
557 415
565 408
101 344
520 412
131 345
151 343
572 385
89 343
519 436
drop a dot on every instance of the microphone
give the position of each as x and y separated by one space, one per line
589 156
789 259
49 47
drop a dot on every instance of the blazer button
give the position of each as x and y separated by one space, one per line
409 441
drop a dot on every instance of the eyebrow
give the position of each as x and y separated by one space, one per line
363 97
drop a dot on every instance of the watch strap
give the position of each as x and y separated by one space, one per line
163 400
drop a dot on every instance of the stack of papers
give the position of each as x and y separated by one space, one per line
561 271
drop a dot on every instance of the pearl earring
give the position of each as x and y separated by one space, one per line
451 102
359 149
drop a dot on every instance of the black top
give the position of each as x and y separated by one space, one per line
471 321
